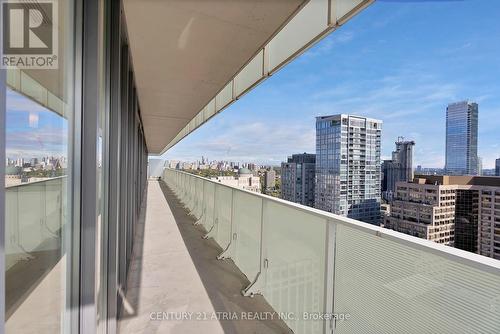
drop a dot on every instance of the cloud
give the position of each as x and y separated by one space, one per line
18 102
328 44
36 142
410 103
32 130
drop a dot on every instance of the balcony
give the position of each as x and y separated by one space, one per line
87 254
305 263
174 272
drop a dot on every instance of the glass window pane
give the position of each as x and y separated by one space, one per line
39 225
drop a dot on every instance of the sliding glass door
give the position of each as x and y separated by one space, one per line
41 177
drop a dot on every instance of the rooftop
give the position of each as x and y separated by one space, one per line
489 181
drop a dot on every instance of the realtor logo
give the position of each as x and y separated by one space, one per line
30 34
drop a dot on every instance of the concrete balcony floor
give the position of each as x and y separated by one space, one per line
174 272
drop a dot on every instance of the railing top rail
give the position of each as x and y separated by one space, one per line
475 260
35 182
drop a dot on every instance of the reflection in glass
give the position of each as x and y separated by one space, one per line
39 126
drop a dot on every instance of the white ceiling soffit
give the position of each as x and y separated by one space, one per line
193 58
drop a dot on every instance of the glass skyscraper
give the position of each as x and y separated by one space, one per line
348 166
461 138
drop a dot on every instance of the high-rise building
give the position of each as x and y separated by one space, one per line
297 179
348 166
461 138
457 211
269 179
399 168
497 167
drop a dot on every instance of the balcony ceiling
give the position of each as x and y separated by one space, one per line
185 51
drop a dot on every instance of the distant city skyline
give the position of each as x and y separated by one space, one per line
356 70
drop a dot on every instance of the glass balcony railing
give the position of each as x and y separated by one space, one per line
311 265
35 212
34 217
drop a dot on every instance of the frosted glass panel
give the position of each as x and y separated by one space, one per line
31 214
33 219
14 79
198 207
33 89
223 204
249 75
192 193
295 244
224 97
187 187
305 26
198 119
181 188
12 252
188 190
53 207
343 7
209 109
388 287
247 224
54 103
208 216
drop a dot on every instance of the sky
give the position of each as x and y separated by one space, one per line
32 130
398 61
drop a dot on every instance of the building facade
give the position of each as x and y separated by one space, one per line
458 211
348 166
270 179
297 179
466 219
399 168
497 167
461 138
245 180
